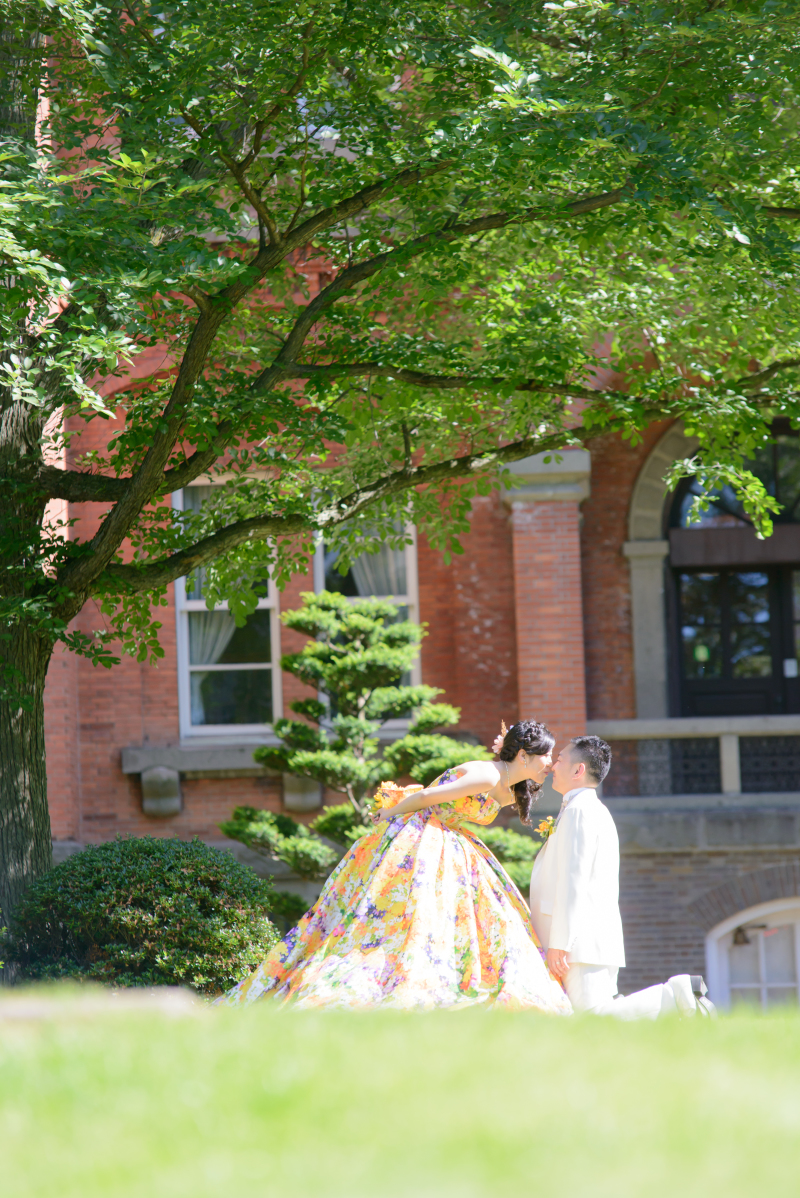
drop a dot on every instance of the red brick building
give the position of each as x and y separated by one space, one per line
584 600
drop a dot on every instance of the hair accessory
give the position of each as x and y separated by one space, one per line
503 729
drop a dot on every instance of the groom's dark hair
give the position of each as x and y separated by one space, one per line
594 753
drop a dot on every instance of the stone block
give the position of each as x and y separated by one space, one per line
301 794
161 791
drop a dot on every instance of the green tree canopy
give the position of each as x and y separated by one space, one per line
503 196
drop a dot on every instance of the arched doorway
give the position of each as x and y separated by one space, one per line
752 957
716 612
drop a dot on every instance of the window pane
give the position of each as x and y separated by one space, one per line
231 697
702 652
701 631
193 500
751 649
749 598
214 639
341 584
744 961
750 998
788 481
751 655
779 954
382 573
784 996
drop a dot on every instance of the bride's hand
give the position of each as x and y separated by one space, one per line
385 813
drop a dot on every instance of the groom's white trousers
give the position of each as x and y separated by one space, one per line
593 989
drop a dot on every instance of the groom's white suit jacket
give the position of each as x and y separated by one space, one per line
575 884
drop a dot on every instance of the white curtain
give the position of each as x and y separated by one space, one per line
210 633
382 573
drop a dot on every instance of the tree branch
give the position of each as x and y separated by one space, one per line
346 280
749 381
445 382
148 576
78 486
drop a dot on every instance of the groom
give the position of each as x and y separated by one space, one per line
575 898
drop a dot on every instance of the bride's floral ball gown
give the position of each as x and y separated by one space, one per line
418 914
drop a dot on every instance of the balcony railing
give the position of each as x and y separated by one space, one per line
727 755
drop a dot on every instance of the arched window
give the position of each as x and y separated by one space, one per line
752 957
777 464
736 601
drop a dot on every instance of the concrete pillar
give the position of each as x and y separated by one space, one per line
729 767
548 590
648 616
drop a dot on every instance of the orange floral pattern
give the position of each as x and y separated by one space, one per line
418 914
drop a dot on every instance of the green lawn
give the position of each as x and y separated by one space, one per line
470 1104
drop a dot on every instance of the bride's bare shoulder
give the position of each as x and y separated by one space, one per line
480 772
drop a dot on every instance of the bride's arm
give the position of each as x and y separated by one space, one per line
480 776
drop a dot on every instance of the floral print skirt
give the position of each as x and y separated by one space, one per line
417 915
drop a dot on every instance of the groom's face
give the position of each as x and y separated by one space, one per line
565 771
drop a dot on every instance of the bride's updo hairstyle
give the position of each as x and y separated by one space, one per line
536 740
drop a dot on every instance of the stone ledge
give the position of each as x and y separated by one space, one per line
766 825
541 481
199 762
755 804
696 726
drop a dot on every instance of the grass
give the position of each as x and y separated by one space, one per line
264 1102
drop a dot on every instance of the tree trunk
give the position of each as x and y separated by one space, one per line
26 849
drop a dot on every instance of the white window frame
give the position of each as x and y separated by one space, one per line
775 913
183 605
409 600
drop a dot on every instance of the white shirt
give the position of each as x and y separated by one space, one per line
575 884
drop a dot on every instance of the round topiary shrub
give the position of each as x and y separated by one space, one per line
144 912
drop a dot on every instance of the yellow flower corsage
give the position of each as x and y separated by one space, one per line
389 794
547 827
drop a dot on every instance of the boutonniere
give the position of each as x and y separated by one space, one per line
547 827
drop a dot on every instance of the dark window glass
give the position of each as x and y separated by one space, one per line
750 636
725 625
796 611
701 625
231 696
214 639
380 574
223 695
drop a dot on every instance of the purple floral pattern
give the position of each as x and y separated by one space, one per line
418 914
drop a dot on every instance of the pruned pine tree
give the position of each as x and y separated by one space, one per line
494 190
356 655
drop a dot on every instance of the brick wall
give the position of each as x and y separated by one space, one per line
471 647
93 713
550 644
661 903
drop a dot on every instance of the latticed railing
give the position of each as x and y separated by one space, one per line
722 760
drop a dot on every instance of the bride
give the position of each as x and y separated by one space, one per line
419 913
